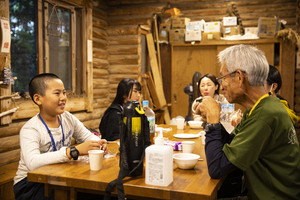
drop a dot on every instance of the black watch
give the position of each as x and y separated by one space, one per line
209 127
74 153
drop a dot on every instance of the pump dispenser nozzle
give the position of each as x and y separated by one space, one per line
159 140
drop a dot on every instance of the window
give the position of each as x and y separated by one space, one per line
51 36
61 32
23 42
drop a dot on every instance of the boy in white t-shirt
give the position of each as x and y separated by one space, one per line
46 138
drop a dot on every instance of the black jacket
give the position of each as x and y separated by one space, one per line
111 123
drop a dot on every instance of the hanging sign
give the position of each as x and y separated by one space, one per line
6 38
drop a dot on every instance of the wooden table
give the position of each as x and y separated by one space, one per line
68 178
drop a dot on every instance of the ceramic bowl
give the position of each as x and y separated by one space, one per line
186 160
195 124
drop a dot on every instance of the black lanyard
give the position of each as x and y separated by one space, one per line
63 135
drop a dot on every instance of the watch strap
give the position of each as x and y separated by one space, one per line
209 127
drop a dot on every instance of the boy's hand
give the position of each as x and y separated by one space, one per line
92 145
103 144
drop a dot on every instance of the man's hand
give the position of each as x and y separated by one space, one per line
209 109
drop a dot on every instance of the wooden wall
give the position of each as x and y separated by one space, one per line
128 14
117 47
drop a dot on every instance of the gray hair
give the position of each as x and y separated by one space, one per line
246 58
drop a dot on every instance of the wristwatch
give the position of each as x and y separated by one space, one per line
209 127
74 153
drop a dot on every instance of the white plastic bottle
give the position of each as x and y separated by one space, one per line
150 115
159 163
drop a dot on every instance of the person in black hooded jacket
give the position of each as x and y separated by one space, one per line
128 90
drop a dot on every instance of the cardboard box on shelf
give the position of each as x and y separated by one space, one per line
211 36
176 35
192 35
267 27
164 29
179 22
230 30
229 21
211 27
195 26
251 30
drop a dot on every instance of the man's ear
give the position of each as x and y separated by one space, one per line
240 76
37 99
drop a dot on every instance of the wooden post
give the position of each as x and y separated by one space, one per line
157 44
5 59
157 77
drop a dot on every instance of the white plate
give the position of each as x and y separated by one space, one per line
186 135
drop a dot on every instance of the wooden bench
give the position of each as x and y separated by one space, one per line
7 174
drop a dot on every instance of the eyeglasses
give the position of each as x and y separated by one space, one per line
230 74
220 78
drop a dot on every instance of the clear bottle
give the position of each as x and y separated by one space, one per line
159 163
150 115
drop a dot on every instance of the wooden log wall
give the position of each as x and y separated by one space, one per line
117 47
125 15
9 134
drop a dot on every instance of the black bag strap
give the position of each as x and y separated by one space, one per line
118 181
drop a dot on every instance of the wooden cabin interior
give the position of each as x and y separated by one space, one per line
118 39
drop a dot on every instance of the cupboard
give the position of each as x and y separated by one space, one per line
186 59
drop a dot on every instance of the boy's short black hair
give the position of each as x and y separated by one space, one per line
38 84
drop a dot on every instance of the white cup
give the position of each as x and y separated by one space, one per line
203 136
180 123
188 146
96 158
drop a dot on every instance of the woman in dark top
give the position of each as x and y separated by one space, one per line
273 85
128 90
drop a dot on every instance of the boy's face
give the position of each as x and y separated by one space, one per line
54 101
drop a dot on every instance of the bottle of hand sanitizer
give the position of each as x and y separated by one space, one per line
159 163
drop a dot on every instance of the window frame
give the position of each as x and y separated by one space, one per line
83 102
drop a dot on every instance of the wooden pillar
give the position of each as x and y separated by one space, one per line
6 104
287 60
298 17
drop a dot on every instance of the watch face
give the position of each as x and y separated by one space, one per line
74 153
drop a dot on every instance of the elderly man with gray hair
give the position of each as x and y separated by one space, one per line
264 144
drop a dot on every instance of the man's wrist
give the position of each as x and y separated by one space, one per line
212 126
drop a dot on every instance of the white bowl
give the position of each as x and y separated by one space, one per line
186 160
195 124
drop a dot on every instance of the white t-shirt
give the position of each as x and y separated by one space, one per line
36 145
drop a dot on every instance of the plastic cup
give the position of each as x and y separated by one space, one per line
180 123
188 146
203 137
96 158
